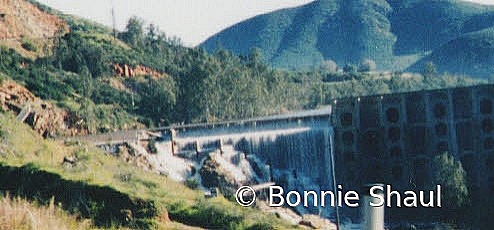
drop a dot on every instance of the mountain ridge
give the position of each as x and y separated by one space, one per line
349 32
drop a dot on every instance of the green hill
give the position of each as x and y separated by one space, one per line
471 54
425 25
321 30
387 32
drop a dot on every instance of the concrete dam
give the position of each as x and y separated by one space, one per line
398 134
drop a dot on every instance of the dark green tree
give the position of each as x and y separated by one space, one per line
134 32
350 68
157 99
448 172
76 54
430 70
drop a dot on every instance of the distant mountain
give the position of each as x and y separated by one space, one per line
393 33
470 54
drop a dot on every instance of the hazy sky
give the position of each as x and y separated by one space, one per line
191 20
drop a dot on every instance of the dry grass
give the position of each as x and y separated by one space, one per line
20 214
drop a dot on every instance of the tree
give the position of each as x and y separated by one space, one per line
75 53
329 66
158 99
350 68
134 33
367 65
429 70
448 172
255 57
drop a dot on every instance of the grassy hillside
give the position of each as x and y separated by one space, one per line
107 190
394 34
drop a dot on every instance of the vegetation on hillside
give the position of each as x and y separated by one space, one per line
393 33
107 190
471 53
193 87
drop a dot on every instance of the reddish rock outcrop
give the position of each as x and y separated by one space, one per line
44 117
125 70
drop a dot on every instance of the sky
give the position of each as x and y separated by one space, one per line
192 20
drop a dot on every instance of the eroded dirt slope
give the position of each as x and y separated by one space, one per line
22 22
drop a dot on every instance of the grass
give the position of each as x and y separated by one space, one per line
18 213
33 169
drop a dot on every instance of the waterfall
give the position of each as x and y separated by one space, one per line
293 153
299 159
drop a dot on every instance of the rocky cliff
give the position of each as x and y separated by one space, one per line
44 117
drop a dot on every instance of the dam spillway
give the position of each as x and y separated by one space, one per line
295 148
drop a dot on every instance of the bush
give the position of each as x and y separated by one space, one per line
206 215
28 45
367 65
192 183
261 226
45 85
350 68
329 66
449 173
18 213
152 146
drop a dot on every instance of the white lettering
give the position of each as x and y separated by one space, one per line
380 197
288 200
279 195
353 197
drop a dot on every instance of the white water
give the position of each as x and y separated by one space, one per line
296 155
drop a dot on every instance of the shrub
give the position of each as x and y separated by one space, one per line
329 66
20 214
192 183
28 45
367 65
152 146
350 68
207 215
261 226
449 173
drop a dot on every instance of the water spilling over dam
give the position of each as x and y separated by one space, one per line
292 150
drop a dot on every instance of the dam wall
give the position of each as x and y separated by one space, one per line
392 138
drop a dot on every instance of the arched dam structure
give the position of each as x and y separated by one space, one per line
381 138
392 138
397 135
